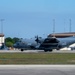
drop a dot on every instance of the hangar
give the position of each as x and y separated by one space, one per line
62 35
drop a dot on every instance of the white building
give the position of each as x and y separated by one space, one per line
2 39
71 47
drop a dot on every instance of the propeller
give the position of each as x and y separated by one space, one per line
37 39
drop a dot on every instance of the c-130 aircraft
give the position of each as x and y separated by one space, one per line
46 44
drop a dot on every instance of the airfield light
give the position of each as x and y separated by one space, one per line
1 25
70 24
54 27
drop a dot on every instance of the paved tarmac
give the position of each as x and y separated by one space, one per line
36 51
37 70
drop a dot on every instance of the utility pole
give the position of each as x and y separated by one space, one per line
2 25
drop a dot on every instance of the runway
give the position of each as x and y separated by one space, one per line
37 70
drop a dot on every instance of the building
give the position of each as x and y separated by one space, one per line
62 35
2 39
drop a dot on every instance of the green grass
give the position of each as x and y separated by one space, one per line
37 58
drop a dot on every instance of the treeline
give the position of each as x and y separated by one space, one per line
9 42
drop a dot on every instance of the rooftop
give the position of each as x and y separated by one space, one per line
62 35
1 35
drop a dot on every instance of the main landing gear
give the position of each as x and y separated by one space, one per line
22 50
50 50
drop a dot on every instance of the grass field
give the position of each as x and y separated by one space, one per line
37 58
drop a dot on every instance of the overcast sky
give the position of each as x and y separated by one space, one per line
28 18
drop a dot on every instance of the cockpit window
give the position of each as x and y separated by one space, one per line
17 43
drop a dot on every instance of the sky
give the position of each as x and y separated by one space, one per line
29 18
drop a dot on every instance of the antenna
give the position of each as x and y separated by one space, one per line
70 24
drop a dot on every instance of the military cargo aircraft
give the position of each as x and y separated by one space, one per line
46 44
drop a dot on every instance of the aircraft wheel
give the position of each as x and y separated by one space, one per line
22 50
45 50
50 50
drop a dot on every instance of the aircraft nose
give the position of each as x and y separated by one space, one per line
14 45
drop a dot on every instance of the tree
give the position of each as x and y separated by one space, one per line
9 39
9 44
15 39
